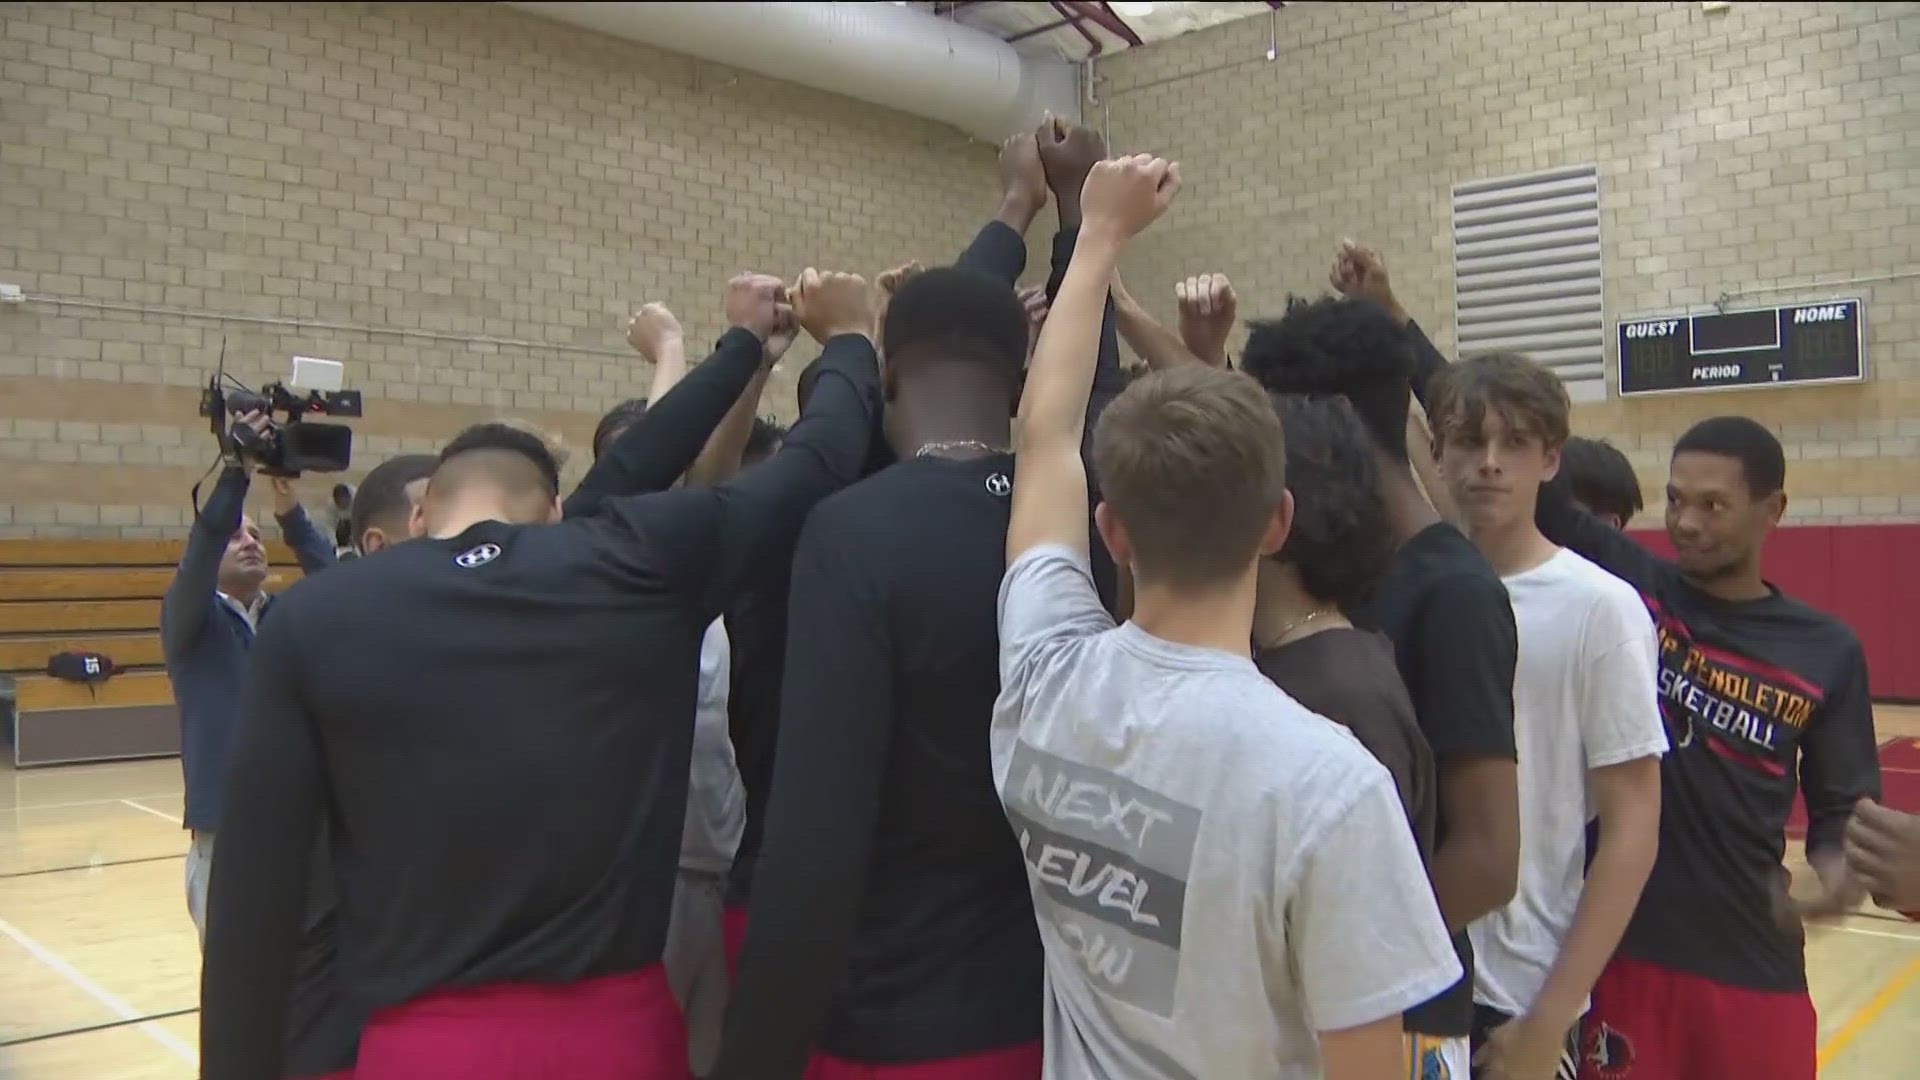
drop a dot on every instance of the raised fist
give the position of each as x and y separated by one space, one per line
1125 195
651 329
1208 310
1361 273
1068 152
755 302
832 304
1022 178
889 282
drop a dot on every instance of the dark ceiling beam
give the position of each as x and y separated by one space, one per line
1072 14
1103 16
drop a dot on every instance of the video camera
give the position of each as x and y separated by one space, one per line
297 444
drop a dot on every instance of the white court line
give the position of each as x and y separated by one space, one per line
151 810
93 990
1911 939
82 802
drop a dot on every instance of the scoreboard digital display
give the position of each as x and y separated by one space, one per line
1775 346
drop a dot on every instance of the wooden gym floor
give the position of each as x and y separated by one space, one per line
99 969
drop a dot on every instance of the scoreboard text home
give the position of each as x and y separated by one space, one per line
1774 346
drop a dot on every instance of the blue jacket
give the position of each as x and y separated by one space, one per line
207 643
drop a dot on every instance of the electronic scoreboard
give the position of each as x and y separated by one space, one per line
1775 346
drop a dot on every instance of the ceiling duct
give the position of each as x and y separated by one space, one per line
885 54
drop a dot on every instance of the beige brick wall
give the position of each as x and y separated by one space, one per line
1771 144
498 188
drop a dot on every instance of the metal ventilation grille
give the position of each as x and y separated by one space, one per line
1526 272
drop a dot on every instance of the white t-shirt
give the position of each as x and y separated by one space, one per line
716 800
1217 872
1584 697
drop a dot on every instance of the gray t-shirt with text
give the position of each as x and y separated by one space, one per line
1217 872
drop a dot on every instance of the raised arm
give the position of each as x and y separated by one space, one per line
668 438
1067 155
258 894
190 596
836 719
1160 347
712 543
313 550
1121 197
1000 248
720 459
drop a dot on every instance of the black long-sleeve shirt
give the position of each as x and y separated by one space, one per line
664 442
1754 693
893 922
757 626
496 728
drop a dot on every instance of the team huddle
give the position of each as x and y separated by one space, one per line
1014 715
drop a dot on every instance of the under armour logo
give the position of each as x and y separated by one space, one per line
999 484
479 556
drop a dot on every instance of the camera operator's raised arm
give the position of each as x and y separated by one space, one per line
312 548
194 590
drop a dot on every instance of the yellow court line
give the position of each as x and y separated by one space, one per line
1869 1012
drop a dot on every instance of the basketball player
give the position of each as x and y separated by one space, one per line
1223 823
1336 550
1054 159
1755 687
892 929
1585 720
505 774
1452 629
1601 479
383 508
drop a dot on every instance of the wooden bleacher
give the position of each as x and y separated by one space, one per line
92 596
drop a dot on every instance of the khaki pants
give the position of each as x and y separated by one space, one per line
696 963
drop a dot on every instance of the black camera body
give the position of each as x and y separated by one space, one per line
290 446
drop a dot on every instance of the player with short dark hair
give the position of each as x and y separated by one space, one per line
1757 688
1601 479
1218 876
892 929
506 771
1447 615
383 508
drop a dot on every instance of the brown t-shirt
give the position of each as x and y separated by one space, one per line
1349 677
